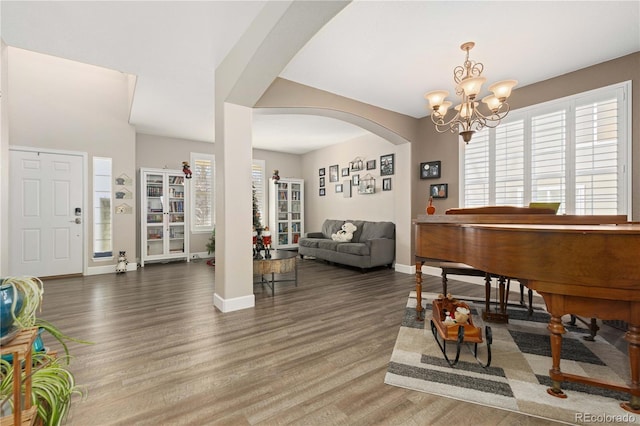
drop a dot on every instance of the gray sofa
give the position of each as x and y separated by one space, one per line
373 244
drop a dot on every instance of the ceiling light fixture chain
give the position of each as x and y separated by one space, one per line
468 118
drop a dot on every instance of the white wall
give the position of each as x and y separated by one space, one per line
4 162
379 206
59 104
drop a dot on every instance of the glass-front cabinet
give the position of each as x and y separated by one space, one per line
164 218
286 215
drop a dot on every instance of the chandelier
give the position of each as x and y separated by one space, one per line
468 118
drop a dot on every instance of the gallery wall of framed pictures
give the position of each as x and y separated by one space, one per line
433 170
350 174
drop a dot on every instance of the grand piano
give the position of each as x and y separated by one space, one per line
581 265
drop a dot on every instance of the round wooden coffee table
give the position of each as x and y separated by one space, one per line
280 262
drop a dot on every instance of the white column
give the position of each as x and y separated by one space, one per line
234 260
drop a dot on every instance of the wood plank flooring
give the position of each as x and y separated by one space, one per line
312 355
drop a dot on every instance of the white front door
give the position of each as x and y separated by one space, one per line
45 214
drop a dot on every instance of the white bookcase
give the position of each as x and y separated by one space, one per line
286 212
164 209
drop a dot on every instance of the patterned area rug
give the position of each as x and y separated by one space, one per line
517 379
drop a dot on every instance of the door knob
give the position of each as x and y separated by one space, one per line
77 220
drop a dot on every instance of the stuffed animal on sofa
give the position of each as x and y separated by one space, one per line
345 234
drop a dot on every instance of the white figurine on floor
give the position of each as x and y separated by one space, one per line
122 262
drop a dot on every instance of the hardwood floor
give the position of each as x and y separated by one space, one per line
312 355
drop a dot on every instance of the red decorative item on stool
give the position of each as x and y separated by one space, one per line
430 209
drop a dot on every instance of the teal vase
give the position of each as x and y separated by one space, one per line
8 294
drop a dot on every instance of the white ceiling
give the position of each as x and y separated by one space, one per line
385 53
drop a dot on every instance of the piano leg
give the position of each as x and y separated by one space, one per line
633 339
559 305
557 330
501 316
419 290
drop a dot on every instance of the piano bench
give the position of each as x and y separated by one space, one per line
453 268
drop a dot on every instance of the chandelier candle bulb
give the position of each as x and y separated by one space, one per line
436 98
492 102
471 86
502 89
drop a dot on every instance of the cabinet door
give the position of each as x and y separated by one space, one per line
155 188
282 231
164 234
175 215
295 229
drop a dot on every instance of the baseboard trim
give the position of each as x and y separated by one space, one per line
109 269
201 255
405 269
234 304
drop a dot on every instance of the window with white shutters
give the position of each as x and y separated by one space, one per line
575 151
509 164
596 160
548 158
476 166
202 195
258 181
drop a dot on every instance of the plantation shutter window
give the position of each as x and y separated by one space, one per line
202 195
258 181
597 176
575 151
548 158
509 164
476 166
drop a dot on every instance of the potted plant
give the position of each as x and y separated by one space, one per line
211 247
52 385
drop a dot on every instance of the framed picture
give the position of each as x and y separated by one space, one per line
430 170
355 180
321 172
338 188
322 192
333 173
346 189
439 190
345 171
322 181
386 165
386 184
371 164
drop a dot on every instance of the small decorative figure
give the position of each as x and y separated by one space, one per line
186 169
122 262
266 241
276 176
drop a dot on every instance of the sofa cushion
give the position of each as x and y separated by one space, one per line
360 249
328 244
331 226
372 230
357 235
309 242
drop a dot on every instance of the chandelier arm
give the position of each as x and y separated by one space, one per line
439 122
495 116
